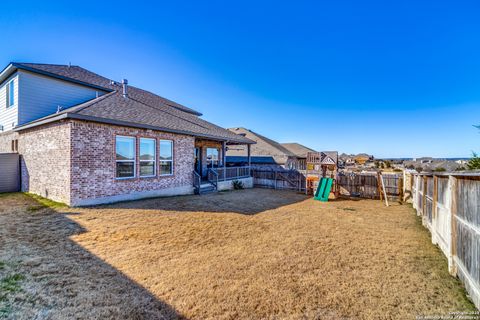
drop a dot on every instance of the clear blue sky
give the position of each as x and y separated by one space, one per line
391 78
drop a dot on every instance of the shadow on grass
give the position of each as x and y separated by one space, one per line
248 202
58 278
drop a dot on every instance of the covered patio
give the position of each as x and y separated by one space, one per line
210 165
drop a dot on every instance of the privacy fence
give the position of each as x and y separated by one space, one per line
363 185
449 205
368 185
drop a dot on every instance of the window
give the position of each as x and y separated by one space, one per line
10 93
125 157
15 145
147 157
166 157
212 157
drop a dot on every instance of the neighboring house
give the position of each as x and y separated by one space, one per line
300 151
345 160
362 158
85 139
264 153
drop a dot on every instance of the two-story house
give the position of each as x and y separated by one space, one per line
85 139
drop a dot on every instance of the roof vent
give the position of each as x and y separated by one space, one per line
125 87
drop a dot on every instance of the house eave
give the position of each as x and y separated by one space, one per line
59 77
82 117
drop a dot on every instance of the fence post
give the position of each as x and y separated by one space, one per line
424 195
400 188
275 180
452 192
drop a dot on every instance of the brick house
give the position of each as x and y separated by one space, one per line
268 153
85 139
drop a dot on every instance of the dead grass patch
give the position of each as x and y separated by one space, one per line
248 254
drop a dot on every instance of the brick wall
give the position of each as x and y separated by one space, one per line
6 141
45 160
93 164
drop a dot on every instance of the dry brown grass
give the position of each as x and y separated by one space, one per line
246 254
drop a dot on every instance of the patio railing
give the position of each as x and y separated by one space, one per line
197 180
212 176
232 173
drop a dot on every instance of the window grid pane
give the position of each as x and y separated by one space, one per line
125 169
147 168
166 150
166 168
125 148
147 149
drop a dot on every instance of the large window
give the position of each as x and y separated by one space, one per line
125 157
212 157
10 93
166 157
147 157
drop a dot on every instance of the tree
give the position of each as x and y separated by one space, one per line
474 162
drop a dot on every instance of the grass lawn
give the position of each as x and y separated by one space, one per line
249 254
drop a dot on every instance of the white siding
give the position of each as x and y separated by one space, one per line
40 96
8 116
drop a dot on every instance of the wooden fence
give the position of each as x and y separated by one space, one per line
449 205
278 179
366 185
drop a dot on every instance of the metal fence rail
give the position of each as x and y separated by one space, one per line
279 179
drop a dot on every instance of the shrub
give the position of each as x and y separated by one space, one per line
440 169
237 185
419 169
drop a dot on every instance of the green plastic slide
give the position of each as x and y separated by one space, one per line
323 189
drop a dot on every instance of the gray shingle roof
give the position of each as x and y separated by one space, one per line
140 109
87 77
298 149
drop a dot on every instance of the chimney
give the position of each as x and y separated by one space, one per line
125 87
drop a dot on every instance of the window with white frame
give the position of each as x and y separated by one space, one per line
147 157
125 157
166 157
10 87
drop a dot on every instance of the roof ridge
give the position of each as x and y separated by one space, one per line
168 101
174 115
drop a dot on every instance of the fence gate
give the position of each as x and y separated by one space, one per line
9 172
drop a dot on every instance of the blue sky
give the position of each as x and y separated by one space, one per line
391 78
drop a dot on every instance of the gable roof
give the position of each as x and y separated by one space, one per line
263 147
298 149
88 78
141 109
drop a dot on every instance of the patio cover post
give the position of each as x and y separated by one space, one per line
224 159
249 157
